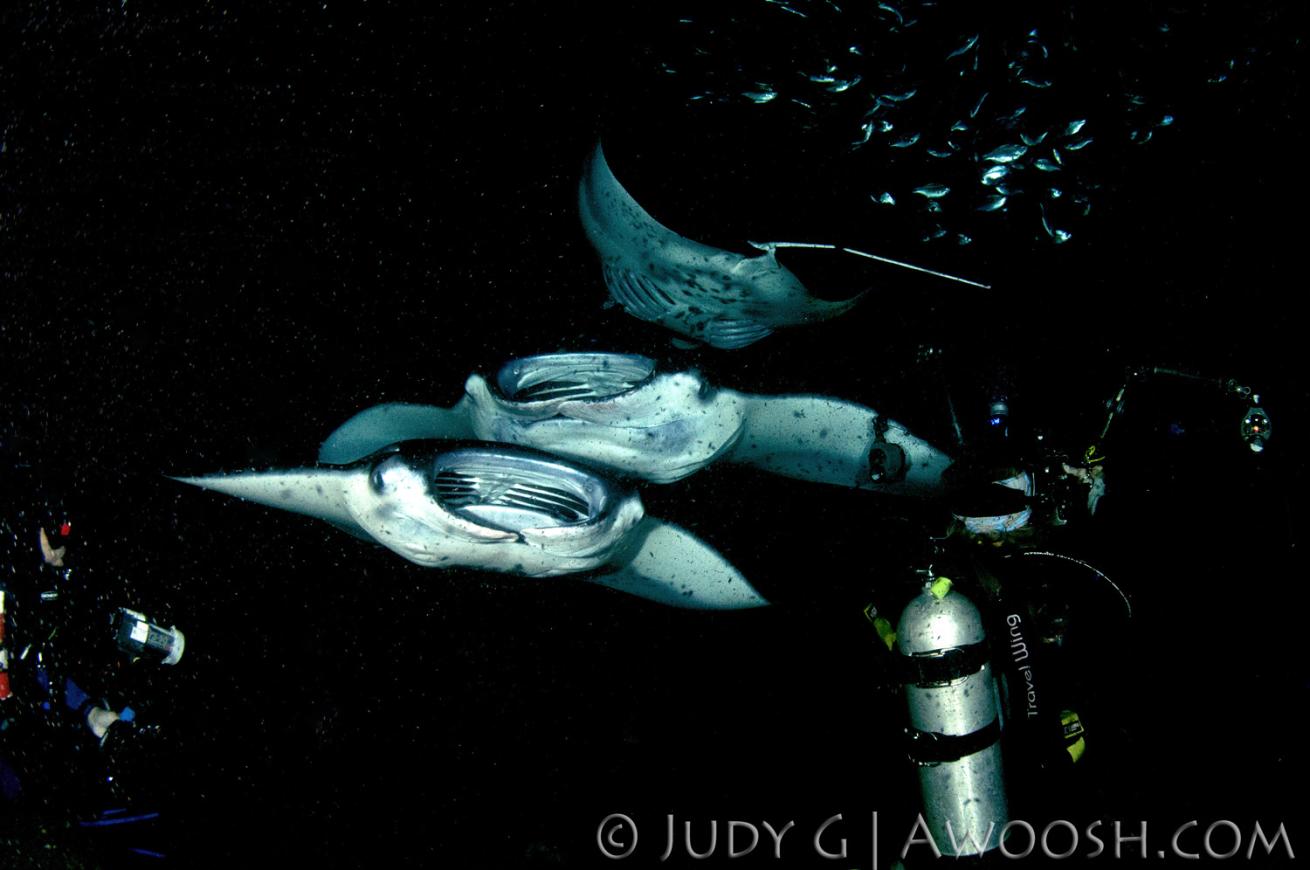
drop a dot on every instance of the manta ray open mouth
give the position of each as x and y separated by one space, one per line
516 491
557 376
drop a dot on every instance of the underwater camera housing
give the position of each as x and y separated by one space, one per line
137 636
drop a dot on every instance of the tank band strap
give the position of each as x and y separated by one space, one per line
929 747
943 666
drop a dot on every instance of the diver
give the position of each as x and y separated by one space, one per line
1005 561
44 643
58 727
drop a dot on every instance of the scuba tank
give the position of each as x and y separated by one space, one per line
955 719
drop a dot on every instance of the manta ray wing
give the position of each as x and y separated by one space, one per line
669 565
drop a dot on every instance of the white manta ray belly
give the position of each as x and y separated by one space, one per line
470 507
662 429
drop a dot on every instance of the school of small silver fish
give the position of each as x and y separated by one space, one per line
996 115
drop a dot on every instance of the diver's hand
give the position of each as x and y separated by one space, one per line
98 719
52 555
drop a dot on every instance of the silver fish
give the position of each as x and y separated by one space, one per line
841 86
973 40
722 298
1010 120
932 191
786 8
1006 154
899 98
1057 235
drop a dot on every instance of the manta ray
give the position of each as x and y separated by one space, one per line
706 294
502 508
618 412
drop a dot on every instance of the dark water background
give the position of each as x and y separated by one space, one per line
224 229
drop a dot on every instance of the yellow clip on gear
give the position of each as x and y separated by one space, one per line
1073 728
886 632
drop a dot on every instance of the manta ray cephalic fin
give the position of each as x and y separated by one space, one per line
382 425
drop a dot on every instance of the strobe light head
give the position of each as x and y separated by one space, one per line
1256 427
139 638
